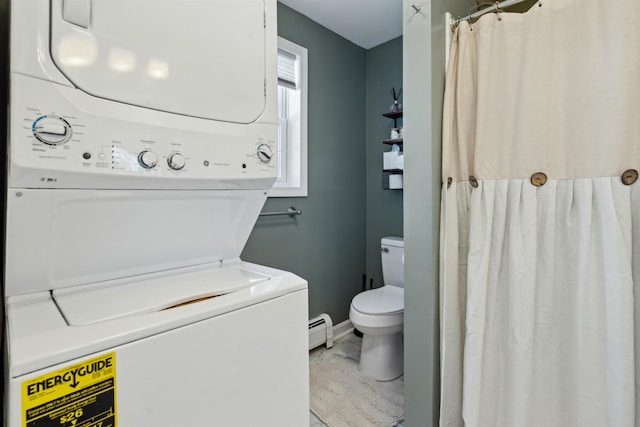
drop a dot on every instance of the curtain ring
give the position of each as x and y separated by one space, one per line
449 182
498 11
453 24
473 181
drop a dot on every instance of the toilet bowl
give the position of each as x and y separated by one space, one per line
379 315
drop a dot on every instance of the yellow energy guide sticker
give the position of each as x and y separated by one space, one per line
81 395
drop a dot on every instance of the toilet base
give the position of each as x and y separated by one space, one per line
381 356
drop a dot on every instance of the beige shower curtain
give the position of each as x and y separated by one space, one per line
540 236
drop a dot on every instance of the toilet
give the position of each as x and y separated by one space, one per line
379 315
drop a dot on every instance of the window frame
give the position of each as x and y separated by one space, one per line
294 159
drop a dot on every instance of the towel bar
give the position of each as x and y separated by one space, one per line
291 212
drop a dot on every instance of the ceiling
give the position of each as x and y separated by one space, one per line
366 23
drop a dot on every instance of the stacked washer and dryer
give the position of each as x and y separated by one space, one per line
140 154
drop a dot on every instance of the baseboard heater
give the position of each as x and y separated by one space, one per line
320 331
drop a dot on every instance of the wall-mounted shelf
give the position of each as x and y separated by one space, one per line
390 180
395 115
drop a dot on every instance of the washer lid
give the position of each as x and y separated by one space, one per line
384 300
95 304
197 58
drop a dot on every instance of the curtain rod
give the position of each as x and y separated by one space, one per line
496 7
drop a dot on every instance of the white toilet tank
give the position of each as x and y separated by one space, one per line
392 253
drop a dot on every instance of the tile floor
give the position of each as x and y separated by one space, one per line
345 346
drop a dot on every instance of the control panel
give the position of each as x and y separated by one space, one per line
66 147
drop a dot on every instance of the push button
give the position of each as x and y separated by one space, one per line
538 179
629 176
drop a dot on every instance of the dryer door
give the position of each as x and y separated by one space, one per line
208 62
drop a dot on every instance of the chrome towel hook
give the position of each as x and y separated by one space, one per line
415 8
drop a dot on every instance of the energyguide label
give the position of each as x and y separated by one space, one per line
81 395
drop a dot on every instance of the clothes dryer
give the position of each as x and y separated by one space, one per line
140 154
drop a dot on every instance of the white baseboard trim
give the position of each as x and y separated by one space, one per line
342 329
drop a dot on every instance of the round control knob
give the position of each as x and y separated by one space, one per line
148 159
51 130
176 161
264 153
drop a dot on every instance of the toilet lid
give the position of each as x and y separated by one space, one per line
384 300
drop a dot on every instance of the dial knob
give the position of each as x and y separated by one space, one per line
52 130
264 153
176 161
148 159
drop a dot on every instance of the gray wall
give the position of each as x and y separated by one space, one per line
326 244
336 239
384 207
424 65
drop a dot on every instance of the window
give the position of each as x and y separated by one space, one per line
292 121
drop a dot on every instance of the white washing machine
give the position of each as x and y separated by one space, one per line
141 149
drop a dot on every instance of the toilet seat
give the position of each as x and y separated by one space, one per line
382 301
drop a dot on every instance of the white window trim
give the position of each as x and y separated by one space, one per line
295 156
